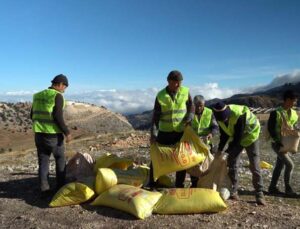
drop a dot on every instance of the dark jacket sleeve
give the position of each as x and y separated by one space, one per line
155 117
223 139
214 125
58 114
272 126
238 131
238 134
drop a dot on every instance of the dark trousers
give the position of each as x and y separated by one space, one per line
169 138
233 164
283 160
47 144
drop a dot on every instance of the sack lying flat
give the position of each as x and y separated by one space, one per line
188 201
112 161
133 200
189 152
107 178
72 194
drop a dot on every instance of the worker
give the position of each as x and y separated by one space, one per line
284 159
204 124
173 110
239 128
50 129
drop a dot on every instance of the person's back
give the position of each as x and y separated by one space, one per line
49 128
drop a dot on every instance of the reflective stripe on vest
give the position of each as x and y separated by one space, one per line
42 108
172 111
291 120
202 125
252 128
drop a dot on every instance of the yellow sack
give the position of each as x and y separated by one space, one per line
189 152
112 161
107 178
72 194
265 165
165 182
189 201
133 200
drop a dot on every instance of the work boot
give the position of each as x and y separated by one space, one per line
46 194
290 192
260 199
274 190
44 186
234 196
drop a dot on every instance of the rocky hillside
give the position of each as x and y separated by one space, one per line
95 119
15 117
265 99
83 119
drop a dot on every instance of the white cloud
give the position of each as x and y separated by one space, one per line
212 90
137 101
123 101
279 80
19 93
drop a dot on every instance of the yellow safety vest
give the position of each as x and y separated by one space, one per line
291 120
42 108
172 111
252 128
202 125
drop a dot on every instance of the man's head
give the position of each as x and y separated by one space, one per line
174 80
289 99
199 103
221 111
60 82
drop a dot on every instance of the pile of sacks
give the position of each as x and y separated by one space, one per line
116 182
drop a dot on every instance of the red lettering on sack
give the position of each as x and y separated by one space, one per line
183 193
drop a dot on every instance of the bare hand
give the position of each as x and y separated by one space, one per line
68 138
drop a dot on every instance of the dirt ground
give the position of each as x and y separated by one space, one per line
22 207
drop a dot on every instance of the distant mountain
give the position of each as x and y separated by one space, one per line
141 121
265 99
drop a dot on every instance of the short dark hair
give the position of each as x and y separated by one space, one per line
175 75
289 94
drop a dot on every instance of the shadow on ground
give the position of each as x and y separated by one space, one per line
25 189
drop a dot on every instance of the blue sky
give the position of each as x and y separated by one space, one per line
130 45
